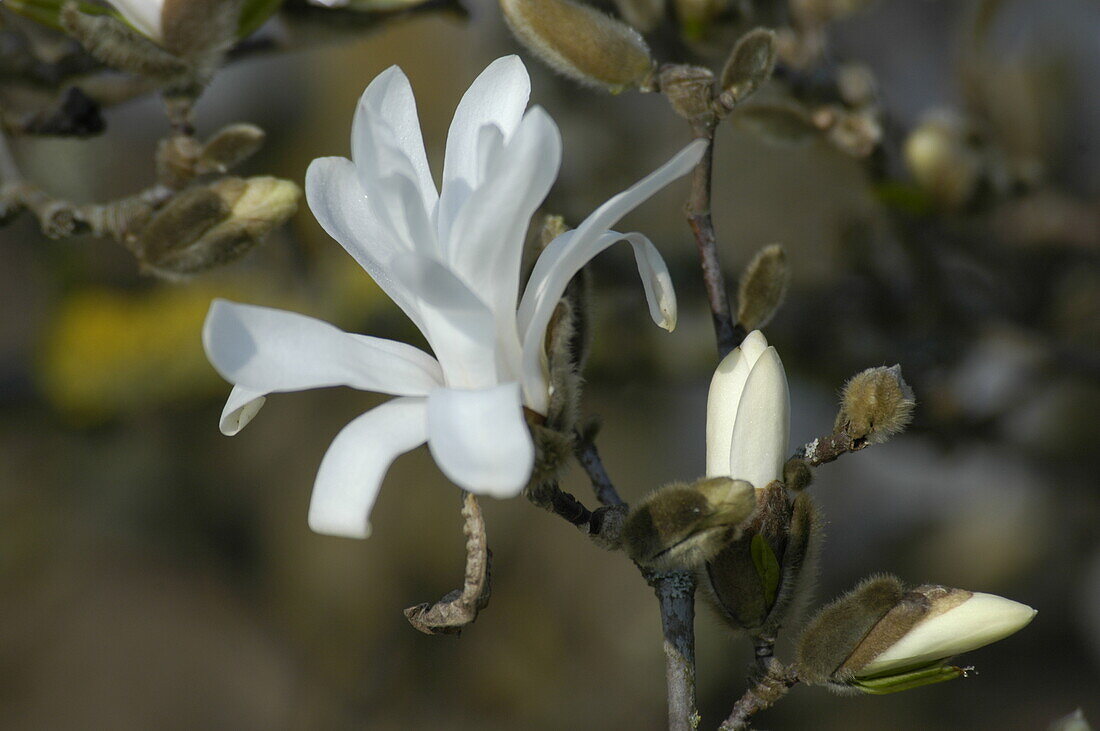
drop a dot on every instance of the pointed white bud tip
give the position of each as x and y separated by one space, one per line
976 622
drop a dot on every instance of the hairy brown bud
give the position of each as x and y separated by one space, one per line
229 147
205 227
681 526
797 474
115 44
754 581
875 405
581 42
749 66
763 287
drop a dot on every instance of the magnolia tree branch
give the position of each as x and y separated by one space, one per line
829 448
775 683
676 593
584 449
458 609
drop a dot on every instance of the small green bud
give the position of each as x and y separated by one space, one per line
754 580
581 42
875 405
229 147
749 66
681 526
763 287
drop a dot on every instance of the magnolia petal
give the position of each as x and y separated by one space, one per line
241 406
480 439
618 206
596 225
387 109
389 158
497 97
144 15
761 432
980 620
726 388
556 266
268 350
353 467
486 242
337 201
457 324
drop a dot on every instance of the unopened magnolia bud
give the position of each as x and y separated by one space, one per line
198 30
681 526
553 226
206 227
882 639
942 162
642 14
581 42
1075 721
117 45
783 125
763 287
750 64
755 579
797 474
229 147
875 405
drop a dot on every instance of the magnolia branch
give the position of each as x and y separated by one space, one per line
775 683
676 594
458 609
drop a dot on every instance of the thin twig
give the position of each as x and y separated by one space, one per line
775 683
584 448
458 609
702 226
826 449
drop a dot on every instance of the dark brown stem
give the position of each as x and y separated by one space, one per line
775 683
702 226
458 609
826 449
676 594
584 448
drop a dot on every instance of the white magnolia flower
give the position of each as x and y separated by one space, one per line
749 415
975 622
143 15
451 260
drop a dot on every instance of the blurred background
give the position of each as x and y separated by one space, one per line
156 574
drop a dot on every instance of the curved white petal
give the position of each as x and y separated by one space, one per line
619 205
497 97
351 472
480 439
241 406
556 266
144 15
267 350
980 620
337 201
389 158
486 242
726 388
761 431
457 324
